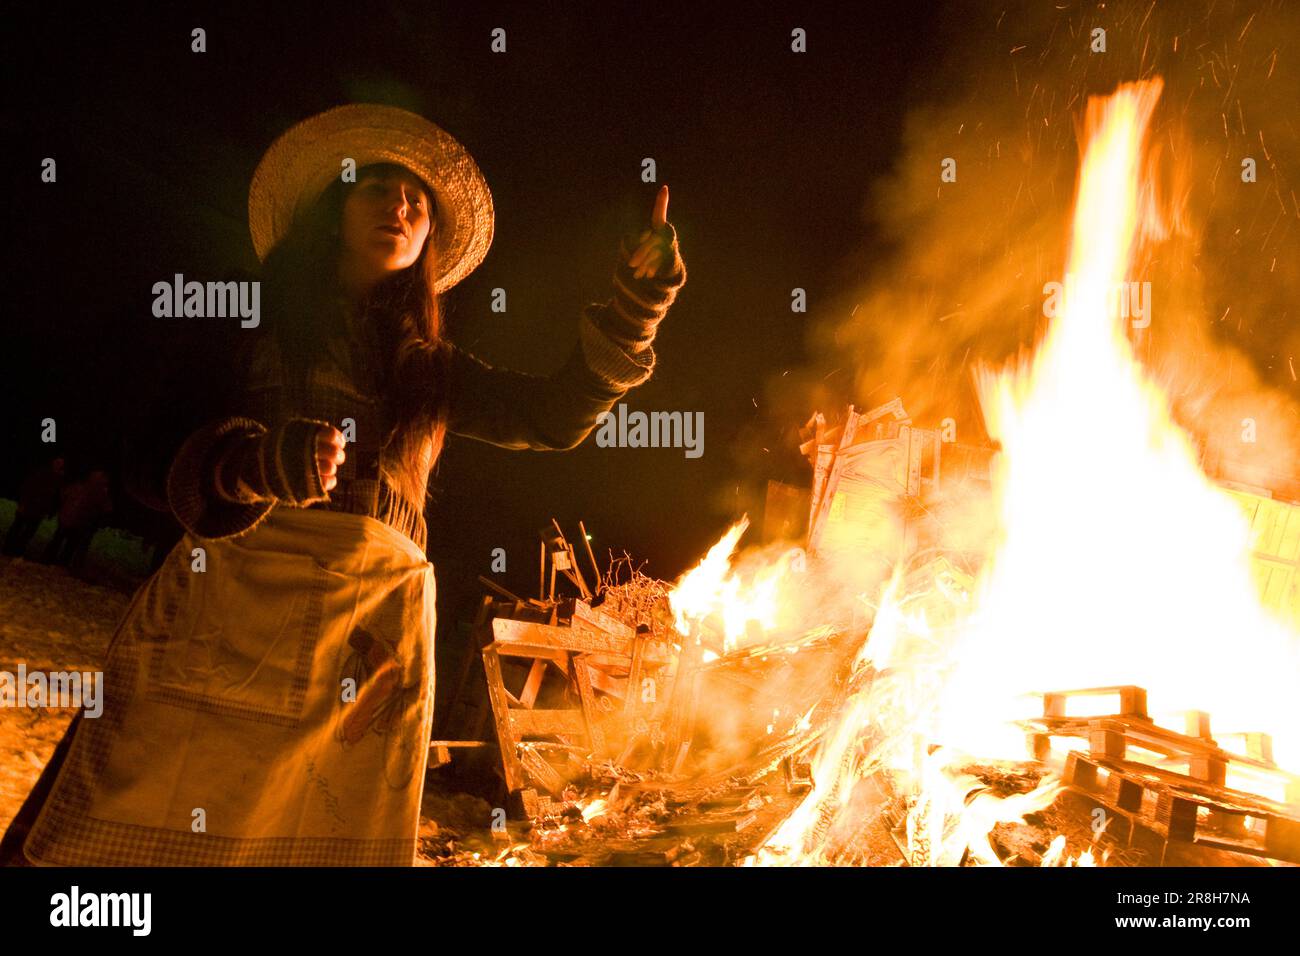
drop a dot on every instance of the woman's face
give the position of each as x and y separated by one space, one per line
386 221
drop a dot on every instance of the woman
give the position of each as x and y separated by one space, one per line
268 698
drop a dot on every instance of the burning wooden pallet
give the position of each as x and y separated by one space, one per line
1127 771
876 456
872 469
604 664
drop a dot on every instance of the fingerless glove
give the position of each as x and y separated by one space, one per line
276 465
204 481
639 305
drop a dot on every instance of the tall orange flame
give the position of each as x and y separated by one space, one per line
1117 561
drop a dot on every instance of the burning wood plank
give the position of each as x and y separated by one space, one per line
823 498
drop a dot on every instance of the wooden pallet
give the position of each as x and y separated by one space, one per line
1157 804
1163 803
602 663
1118 736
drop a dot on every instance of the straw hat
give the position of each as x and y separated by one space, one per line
303 161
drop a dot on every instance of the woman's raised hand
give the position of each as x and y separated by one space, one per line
329 455
653 250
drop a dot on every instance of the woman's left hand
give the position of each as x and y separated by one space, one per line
653 250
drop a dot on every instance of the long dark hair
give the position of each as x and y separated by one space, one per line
401 326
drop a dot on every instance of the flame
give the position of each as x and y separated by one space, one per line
885 726
1056 856
1119 561
593 808
714 589
1116 562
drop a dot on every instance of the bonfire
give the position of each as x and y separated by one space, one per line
883 693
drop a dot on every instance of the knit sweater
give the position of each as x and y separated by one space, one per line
503 407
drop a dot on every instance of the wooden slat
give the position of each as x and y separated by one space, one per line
533 722
589 640
822 510
536 766
582 639
585 612
501 717
1205 761
590 711
456 744
510 649
528 696
615 665
680 699
632 700
614 686
654 654
1132 700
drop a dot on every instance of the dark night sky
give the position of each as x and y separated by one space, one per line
816 171
767 156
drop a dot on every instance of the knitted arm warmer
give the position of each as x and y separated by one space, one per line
616 335
631 319
204 481
279 465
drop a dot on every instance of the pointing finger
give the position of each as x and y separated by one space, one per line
660 215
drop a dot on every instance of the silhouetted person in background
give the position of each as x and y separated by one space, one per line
85 504
38 497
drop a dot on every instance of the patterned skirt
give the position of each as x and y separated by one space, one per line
268 701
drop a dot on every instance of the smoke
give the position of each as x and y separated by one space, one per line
964 283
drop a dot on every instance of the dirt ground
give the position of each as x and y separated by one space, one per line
52 621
